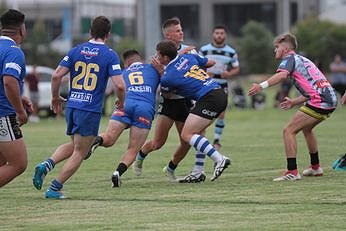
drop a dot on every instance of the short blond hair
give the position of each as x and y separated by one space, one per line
288 38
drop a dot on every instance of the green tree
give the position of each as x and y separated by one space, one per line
128 43
320 40
36 46
256 49
3 8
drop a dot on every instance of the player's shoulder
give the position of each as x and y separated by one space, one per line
207 46
229 49
12 51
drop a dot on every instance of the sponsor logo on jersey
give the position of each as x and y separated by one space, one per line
139 89
81 96
181 64
116 67
89 53
322 83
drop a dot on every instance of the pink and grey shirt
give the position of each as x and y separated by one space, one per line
309 81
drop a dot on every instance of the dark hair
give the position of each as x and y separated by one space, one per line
12 19
100 27
219 27
170 22
167 48
129 53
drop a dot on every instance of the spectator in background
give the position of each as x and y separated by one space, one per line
338 74
283 92
32 79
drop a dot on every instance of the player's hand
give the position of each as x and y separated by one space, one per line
343 99
28 106
186 50
255 88
22 117
57 104
157 65
287 103
225 75
119 105
211 74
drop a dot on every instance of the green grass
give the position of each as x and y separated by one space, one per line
243 198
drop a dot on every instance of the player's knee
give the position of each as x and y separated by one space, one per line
186 137
20 167
288 131
107 141
285 131
157 145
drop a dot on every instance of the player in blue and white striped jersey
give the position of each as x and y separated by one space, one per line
225 68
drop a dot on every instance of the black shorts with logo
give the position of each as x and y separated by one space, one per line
175 109
211 105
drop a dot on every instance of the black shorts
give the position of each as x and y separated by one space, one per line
340 88
175 109
211 105
9 128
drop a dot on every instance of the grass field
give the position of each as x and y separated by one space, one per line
243 198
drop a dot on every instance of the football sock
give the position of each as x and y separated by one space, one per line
201 144
121 168
99 140
219 126
140 155
291 164
314 160
199 162
49 164
56 185
171 166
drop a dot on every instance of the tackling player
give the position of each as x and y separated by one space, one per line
184 76
173 109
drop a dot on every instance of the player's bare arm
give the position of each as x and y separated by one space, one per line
57 100
273 80
119 85
11 87
288 103
343 99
